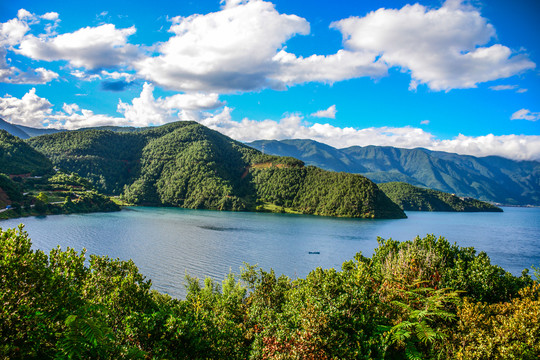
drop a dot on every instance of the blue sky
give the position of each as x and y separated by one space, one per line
453 76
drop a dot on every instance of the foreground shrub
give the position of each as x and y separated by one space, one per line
420 299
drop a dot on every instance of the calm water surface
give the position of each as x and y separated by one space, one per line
167 243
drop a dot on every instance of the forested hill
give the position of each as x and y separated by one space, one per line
17 157
492 178
187 165
410 197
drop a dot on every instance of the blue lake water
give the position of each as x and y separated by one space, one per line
168 243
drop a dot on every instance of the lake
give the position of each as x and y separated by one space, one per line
168 243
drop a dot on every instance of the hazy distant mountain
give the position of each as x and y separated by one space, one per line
13 129
37 132
24 132
491 178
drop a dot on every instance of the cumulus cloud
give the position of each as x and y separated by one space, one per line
424 122
525 114
32 110
13 75
228 50
98 47
294 126
242 48
326 68
444 48
51 16
24 14
329 113
147 110
11 34
70 108
519 147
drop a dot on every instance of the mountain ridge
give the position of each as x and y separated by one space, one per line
185 164
492 178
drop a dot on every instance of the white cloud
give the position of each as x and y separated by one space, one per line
51 16
525 114
329 113
70 108
25 14
83 75
98 47
519 147
146 110
11 34
241 48
35 111
326 68
424 122
32 110
228 50
445 48
118 75
12 75
503 87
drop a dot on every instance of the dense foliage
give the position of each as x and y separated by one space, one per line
422 299
490 178
10 191
187 165
410 197
38 189
60 193
310 190
106 158
17 157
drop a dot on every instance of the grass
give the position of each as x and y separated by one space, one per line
272 208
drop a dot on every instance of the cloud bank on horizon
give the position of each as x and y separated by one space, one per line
241 49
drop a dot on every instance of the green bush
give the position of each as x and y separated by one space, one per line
409 300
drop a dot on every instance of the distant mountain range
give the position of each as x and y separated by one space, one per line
494 179
24 132
491 178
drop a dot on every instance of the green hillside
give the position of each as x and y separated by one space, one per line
16 157
413 198
491 178
10 191
187 165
